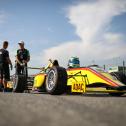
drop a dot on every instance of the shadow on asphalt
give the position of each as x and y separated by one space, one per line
94 95
82 95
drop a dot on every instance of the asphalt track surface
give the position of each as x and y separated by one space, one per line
27 109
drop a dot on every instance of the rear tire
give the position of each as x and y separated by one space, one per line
56 81
19 83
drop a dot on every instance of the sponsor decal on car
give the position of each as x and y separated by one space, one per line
78 87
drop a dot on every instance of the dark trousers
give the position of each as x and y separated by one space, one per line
5 72
21 70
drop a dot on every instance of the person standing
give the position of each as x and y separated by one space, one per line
22 58
4 65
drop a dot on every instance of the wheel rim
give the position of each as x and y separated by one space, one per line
51 80
14 81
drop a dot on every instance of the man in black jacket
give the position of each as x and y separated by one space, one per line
4 65
22 58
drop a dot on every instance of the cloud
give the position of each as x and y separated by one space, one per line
92 20
113 38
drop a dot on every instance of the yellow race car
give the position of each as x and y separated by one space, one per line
59 80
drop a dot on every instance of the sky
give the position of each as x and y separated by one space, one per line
93 30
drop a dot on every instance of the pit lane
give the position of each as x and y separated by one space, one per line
26 109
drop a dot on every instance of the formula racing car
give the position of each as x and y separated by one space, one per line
78 80
58 80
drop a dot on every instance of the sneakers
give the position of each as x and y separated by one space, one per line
5 90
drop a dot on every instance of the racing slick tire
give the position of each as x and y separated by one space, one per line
116 94
19 83
56 81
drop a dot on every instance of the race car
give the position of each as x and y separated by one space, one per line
75 79
78 80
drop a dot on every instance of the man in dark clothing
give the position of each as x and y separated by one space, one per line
4 65
22 58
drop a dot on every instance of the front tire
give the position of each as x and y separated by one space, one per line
56 81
